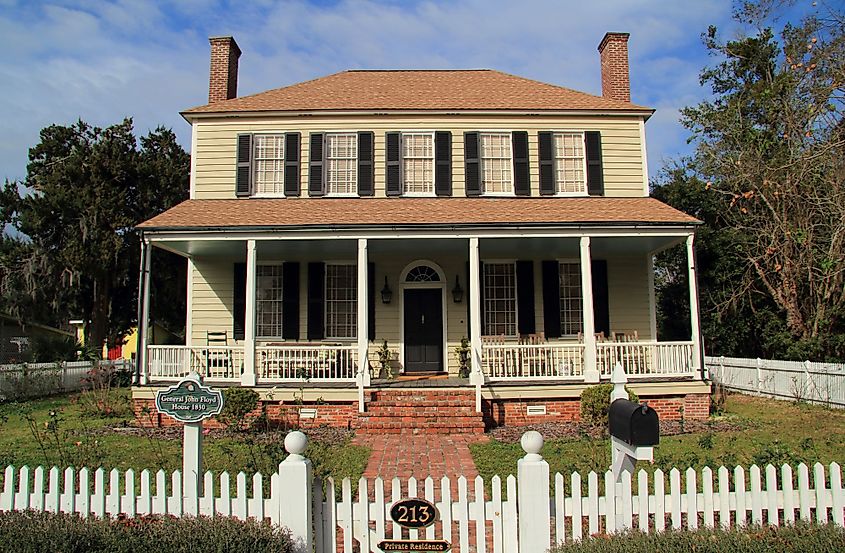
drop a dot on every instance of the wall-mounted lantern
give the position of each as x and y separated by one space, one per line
457 291
386 292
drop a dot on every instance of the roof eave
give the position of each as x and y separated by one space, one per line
191 116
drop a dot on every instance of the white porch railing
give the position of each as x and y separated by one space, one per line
314 363
643 359
566 361
532 361
212 362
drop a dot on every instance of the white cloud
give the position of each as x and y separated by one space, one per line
102 60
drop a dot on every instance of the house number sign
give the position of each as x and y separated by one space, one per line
414 513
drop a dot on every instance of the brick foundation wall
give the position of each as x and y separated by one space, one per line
507 412
335 415
497 412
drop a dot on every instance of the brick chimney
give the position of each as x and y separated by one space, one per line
223 76
615 83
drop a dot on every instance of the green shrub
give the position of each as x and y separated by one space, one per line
49 349
34 532
799 538
238 403
595 403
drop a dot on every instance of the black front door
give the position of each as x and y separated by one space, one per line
423 330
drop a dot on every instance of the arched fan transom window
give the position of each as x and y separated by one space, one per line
422 273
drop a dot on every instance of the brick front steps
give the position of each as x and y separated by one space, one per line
420 411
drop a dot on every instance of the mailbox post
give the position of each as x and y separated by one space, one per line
634 431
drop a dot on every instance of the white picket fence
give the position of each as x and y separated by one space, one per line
31 380
532 511
821 383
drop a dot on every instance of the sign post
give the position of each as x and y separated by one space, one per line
191 403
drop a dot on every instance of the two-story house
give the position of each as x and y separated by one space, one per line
419 208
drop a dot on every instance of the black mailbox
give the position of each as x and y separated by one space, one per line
634 423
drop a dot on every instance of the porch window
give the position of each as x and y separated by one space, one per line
570 163
500 299
571 301
342 164
341 301
417 163
268 301
268 163
496 163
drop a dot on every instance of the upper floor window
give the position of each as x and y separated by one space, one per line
268 162
417 163
341 300
570 163
496 163
268 301
342 164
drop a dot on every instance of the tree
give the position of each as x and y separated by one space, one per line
86 189
770 146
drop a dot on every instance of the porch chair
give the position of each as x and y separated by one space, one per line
217 361
532 361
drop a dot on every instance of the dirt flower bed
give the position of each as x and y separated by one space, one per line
574 429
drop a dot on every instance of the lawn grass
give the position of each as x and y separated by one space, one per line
766 431
80 439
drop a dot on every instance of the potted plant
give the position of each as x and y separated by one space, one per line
462 353
385 357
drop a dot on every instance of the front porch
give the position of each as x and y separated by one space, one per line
542 307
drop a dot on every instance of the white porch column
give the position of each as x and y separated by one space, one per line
248 376
591 369
144 323
477 374
363 377
695 326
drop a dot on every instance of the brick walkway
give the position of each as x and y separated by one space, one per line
419 456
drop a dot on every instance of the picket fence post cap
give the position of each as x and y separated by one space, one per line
295 442
531 442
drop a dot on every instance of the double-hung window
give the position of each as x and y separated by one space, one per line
570 163
571 299
268 162
268 301
417 164
500 299
341 300
342 164
496 163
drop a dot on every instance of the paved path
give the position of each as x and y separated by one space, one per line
420 456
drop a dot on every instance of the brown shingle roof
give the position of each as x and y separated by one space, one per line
480 89
373 212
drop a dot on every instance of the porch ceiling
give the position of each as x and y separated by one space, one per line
423 248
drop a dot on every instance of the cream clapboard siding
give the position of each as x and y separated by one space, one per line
621 147
628 298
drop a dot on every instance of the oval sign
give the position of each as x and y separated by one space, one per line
413 513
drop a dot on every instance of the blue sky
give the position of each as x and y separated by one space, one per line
103 60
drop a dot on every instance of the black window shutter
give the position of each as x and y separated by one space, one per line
365 164
292 164
521 176
551 299
472 163
595 175
601 306
239 302
315 165
371 303
243 178
290 300
393 176
466 299
481 297
525 297
547 168
443 163
316 296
